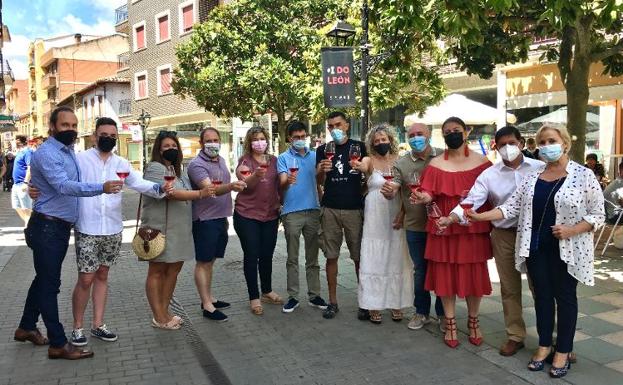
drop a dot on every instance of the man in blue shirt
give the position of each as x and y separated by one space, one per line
54 171
20 201
300 214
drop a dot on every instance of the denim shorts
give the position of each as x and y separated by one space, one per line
210 238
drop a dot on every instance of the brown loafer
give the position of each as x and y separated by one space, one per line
69 352
33 336
511 347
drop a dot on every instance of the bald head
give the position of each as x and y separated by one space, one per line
418 129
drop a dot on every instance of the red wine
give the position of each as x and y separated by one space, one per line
354 157
330 155
169 178
467 206
388 177
415 187
245 173
294 170
123 174
217 182
434 216
264 166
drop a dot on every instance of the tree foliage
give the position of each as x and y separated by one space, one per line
481 34
258 56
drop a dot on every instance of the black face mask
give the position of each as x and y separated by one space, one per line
454 140
106 143
382 148
66 137
171 155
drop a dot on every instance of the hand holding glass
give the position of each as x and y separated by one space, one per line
434 213
293 168
466 204
354 156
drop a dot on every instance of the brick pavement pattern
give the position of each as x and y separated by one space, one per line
277 348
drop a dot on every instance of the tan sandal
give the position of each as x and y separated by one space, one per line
276 300
171 325
376 317
257 310
397 315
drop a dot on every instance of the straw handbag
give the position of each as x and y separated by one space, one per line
149 243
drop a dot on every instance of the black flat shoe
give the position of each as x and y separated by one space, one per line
363 314
221 305
216 315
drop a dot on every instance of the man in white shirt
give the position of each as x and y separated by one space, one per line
99 226
495 185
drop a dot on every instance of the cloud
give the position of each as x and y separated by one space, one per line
15 53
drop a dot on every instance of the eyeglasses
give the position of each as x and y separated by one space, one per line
167 134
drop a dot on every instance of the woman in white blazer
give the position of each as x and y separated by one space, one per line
559 207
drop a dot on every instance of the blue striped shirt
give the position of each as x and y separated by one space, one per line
54 171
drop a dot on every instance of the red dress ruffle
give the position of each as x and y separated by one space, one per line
457 259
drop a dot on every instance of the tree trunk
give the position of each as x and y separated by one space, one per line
281 129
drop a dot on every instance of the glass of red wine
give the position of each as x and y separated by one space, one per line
466 204
329 150
293 166
414 183
264 163
123 171
217 177
244 170
388 174
169 176
354 155
434 213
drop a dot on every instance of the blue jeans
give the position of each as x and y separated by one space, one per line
422 300
49 241
258 240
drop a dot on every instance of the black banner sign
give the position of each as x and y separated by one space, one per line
338 77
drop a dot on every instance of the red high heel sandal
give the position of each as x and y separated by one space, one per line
473 325
451 327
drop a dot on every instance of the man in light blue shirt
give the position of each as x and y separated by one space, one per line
54 171
300 214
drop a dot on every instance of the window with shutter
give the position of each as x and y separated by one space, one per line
187 18
165 81
140 37
163 27
142 86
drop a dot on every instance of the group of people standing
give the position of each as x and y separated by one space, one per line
425 222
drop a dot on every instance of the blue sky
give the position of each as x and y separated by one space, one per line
30 19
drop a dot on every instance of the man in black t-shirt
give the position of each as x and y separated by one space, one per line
342 205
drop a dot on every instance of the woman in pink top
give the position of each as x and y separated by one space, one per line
256 216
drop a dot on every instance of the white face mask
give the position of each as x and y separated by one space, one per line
509 152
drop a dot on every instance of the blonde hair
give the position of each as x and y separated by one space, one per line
248 139
561 130
391 135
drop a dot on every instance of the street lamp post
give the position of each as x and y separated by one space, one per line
144 119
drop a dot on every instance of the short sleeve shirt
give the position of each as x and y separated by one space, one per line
20 166
199 169
302 195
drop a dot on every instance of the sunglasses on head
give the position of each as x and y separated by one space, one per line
167 134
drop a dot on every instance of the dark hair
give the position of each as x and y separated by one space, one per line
157 157
591 156
295 125
104 121
56 112
454 119
248 139
206 129
337 114
506 131
21 139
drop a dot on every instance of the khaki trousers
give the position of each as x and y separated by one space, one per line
503 244
307 223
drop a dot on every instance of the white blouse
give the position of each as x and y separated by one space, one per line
579 198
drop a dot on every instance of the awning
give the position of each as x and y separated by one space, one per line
7 123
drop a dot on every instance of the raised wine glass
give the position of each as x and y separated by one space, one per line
123 171
466 204
414 182
293 166
434 213
244 169
329 150
354 155
217 177
388 174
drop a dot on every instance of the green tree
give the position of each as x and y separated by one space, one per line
483 33
263 56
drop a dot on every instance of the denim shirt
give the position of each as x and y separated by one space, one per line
54 171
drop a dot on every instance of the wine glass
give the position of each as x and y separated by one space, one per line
293 166
208 181
388 174
329 150
264 162
169 176
414 182
434 213
217 177
123 171
244 169
466 204
354 155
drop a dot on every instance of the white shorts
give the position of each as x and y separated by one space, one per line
20 198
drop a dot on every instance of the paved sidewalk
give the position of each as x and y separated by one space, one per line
277 348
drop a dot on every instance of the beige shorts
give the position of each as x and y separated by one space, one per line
337 225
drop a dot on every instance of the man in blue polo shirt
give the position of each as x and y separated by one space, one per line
300 214
20 201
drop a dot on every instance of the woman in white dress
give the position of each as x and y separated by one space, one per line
386 270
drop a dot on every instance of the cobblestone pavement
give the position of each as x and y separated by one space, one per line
277 348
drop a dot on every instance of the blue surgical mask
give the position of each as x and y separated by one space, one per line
418 143
299 144
337 135
551 152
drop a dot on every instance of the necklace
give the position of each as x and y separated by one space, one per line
538 234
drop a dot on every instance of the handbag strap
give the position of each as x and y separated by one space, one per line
138 215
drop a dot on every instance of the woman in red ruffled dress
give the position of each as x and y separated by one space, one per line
457 255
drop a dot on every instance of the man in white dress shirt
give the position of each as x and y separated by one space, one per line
98 229
495 185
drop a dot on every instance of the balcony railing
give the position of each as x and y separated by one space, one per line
125 107
49 81
121 14
123 61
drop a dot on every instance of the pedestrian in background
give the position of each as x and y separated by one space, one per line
256 217
210 218
20 200
300 214
558 208
55 173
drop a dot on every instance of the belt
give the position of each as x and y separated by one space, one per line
51 218
506 228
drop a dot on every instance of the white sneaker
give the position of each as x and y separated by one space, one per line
418 321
